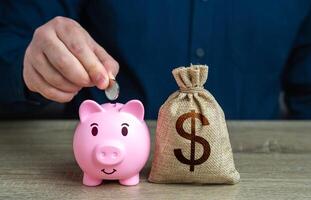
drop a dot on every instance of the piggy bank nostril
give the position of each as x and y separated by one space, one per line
114 154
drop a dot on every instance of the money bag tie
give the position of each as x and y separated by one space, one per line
192 142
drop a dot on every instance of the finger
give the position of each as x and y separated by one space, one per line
26 73
110 64
51 75
76 41
66 63
46 90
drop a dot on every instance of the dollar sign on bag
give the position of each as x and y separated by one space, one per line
193 138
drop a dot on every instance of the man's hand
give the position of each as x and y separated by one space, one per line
62 58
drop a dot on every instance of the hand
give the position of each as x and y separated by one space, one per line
62 58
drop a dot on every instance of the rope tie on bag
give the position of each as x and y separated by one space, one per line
192 89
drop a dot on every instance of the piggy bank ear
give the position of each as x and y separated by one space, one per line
135 108
87 108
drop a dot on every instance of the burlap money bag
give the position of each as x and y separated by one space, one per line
192 142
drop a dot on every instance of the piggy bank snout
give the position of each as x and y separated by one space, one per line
109 154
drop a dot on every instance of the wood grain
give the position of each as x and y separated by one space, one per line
274 159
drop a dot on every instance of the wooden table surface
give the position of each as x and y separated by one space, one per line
273 158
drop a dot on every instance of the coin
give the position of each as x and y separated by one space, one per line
112 92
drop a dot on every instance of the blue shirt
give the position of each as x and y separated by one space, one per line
258 52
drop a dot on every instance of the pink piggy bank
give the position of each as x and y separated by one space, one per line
111 142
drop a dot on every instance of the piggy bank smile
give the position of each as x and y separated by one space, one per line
108 172
111 142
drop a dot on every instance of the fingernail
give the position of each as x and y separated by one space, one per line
111 76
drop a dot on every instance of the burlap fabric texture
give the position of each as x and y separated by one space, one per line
192 141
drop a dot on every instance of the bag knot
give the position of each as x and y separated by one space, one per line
191 78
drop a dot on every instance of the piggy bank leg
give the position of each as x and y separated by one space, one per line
134 180
90 181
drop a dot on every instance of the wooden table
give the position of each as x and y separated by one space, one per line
273 158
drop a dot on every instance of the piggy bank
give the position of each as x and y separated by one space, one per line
111 142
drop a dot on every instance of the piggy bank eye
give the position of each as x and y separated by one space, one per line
94 131
124 131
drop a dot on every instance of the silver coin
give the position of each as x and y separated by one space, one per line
112 92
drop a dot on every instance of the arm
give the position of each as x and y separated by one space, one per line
297 75
60 59
18 20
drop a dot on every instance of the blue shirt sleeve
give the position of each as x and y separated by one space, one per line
18 20
297 74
